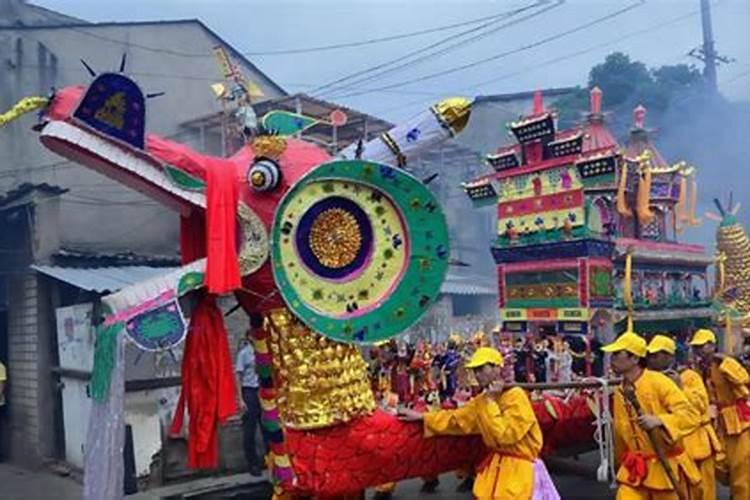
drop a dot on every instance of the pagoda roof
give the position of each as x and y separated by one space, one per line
664 252
597 135
639 141
543 165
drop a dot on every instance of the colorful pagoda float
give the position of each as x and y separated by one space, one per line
587 235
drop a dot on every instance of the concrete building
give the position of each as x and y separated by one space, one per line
57 215
69 235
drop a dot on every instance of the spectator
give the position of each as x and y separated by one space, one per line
247 388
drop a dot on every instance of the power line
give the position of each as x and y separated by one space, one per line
322 48
437 53
555 60
589 49
523 48
428 47
176 76
372 41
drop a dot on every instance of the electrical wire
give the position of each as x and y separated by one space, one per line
373 41
551 61
433 45
538 43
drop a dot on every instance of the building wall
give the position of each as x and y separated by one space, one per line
29 232
19 12
30 344
36 59
96 213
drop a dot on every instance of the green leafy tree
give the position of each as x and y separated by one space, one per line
627 83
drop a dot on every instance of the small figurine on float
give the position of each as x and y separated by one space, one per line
565 363
421 371
505 347
520 365
559 361
539 357
448 365
400 376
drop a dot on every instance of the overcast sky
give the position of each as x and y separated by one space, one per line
655 32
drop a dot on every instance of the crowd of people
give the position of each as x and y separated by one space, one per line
681 417
424 373
680 423
427 377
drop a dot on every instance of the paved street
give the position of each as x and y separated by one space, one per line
20 484
569 486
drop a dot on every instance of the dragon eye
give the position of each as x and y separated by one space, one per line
264 175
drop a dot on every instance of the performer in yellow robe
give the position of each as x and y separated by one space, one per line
726 381
509 428
665 410
702 444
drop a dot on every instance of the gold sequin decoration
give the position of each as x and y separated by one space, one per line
321 382
733 241
335 238
270 146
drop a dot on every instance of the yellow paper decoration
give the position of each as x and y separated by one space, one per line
721 273
643 197
219 90
681 208
622 204
22 107
253 90
627 286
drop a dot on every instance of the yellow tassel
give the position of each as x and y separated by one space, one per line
622 203
643 198
681 208
692 220
720 259
627 286
630 322
25 105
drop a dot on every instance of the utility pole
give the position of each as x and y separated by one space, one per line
707 52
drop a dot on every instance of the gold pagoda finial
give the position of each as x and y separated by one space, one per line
453 113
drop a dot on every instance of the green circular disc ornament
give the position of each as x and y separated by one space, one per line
359 250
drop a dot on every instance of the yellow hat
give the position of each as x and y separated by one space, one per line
703 336
628 341
661 343
483 356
